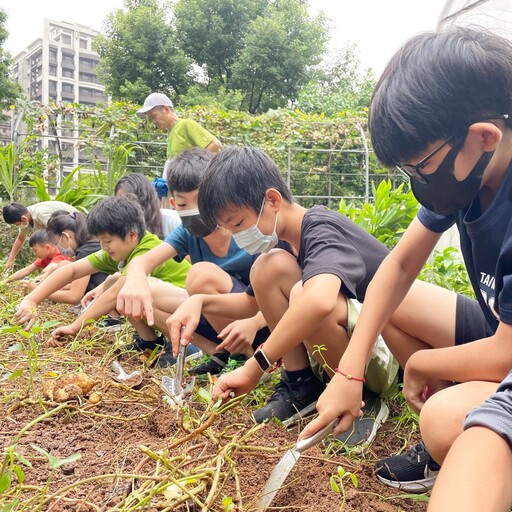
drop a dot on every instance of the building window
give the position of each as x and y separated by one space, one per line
67 88
66 39
52 70
67 73
84 44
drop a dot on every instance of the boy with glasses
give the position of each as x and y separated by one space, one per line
443 107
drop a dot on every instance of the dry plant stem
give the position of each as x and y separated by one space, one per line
73 500
213 489
81 410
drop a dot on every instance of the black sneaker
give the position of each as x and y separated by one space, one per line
213 366
140 344
289 398
413 471
364 429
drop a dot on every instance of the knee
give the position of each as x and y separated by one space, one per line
203 277
437 409
273 268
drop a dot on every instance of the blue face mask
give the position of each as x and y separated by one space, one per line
253 240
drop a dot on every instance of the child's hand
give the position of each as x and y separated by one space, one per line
28 286
89 297
238 336
61 332
238 382
51 343
27 313
341 399
136 300
183 322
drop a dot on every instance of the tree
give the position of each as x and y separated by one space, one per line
280 50
10 90
140 53
212 32
338 85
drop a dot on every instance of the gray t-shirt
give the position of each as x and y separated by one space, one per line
41 212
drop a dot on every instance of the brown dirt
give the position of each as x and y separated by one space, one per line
231 459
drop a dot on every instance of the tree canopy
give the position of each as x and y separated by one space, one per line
261 51
140 53
9 88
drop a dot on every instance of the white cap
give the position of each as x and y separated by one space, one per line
155 99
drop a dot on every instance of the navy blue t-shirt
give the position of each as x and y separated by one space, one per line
486 245
236 263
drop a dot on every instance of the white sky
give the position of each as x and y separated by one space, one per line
379 27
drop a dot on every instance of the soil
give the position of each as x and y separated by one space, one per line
138 453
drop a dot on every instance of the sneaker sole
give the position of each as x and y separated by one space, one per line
417 486
380 419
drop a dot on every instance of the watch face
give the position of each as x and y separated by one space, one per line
262 360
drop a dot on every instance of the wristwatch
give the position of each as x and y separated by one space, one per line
262 360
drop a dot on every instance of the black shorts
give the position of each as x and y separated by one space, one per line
470 322
206 330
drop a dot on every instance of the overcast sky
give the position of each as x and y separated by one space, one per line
379 27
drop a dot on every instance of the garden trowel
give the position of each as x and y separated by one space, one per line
285 465
177 388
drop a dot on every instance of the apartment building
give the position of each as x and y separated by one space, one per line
60 66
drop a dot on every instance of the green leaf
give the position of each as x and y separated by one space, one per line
13 375
20 474
334 484
415 497
5 481
204 394
10 506
22 459
355 481
50 324
15 348
55 462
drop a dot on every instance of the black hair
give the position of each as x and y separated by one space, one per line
76 222
12 212
40 237
137 187
187 169
435 87
116 216
238 177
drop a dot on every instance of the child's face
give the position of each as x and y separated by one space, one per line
43 251
116 247
185 200
236 219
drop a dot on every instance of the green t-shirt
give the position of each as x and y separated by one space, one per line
187 134
170 271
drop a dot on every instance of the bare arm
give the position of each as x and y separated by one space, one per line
16 247
135 298
27 312
214 145
20 274
73 294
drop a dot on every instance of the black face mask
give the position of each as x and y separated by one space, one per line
192 222
445 195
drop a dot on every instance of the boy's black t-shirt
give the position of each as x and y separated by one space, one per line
82 252
333 244
486 245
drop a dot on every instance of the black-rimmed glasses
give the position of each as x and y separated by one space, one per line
414 171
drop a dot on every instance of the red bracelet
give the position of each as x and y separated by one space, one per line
349 376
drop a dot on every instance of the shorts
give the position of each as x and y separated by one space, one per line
496 412
470 322
206 330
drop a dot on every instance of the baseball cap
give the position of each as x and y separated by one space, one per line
155 99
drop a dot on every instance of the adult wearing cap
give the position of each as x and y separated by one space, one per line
183 133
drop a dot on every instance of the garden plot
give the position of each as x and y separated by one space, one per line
111 447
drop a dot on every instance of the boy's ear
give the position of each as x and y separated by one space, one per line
274 197
172 202
487 135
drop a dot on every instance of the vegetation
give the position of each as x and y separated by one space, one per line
260 52
9 88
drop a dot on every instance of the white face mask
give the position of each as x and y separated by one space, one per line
253 240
